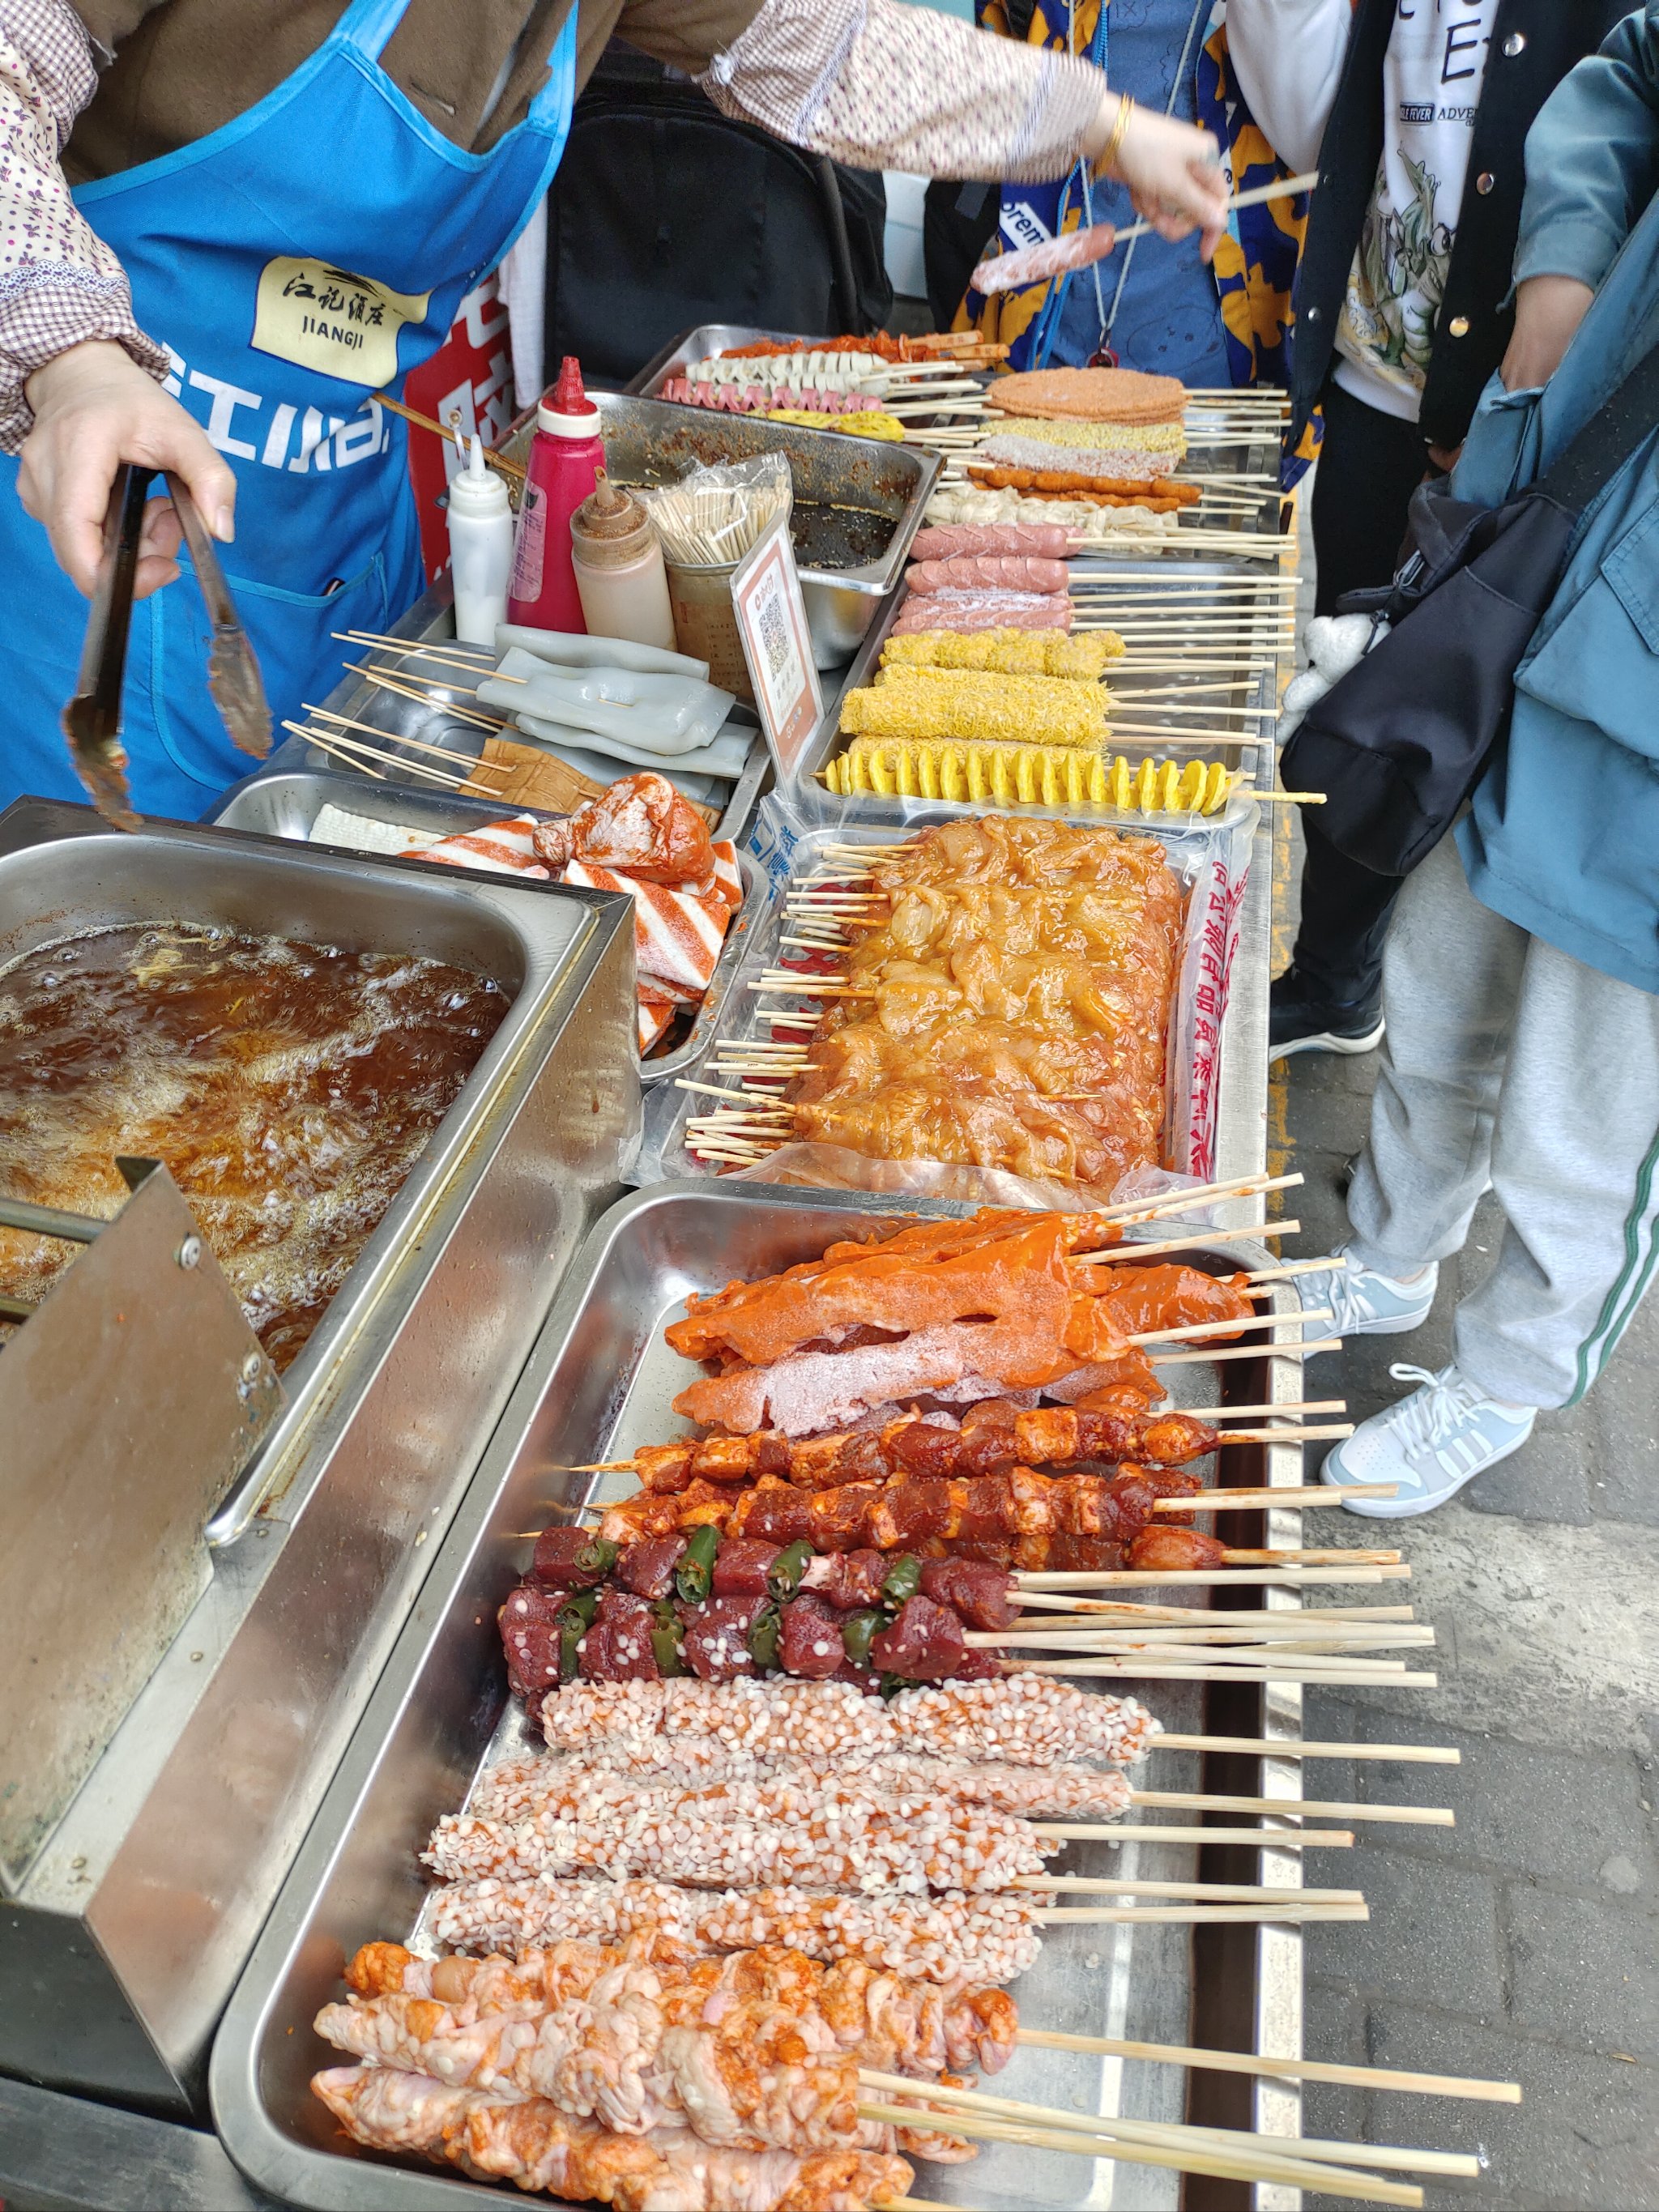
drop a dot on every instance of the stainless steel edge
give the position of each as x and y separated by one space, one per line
697 344
596 1372
62 2153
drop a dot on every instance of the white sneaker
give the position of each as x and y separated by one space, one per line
1365 1302
1431 1443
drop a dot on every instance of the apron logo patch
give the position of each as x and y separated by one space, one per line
323 317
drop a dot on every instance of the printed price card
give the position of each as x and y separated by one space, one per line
771 615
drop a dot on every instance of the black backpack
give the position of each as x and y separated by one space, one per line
1398 742
663 215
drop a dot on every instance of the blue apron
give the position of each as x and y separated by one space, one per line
294 263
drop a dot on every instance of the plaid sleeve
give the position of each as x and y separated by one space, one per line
59 283
883 86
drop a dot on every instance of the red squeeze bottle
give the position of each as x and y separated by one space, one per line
566 456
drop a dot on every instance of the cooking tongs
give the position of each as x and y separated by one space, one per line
92 719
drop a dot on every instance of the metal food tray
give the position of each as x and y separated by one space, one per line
598 1384
816 804
140 1909
655 441
1213 852
285 803
402 725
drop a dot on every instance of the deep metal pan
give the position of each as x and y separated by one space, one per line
285 803
598 1384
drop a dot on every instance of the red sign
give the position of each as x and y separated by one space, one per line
470 376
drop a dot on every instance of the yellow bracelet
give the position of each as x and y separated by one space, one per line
1120 132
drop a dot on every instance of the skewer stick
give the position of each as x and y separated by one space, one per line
1281 1670
1288 1435
1302 1350
1294 2070
1407 1816
1301 1496
1072 1611
1137 2148
1132 1252
1205 1893
1238 1412
425 423
354 752
1194 1331
1198 1916
1416 1755
1277 1840
428 698
475 763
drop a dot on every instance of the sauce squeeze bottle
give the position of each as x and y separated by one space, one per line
566 456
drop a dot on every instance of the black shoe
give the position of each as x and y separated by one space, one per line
1300 1019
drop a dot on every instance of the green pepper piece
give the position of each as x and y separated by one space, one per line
597 1557
763 1639
783 1576
578 1611
903 1579
666 1641
570 1635
694 1575
859 1632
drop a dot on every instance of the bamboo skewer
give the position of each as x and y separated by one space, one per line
354 753
1399 1754
1193 1332
1202 1892
1277 1840
1298 1497
1304 2069
426 422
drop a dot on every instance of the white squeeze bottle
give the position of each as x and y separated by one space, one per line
480 548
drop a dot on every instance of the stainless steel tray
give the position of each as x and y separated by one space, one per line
817 805
655 441
285 802
598 1384
140 1910
405 726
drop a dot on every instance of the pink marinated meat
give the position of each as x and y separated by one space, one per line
989 572
924 1643
529 1622
1043 541
741 1566
717 1641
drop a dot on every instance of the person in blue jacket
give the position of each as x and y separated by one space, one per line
1521 981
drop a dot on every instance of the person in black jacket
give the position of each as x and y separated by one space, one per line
1415 112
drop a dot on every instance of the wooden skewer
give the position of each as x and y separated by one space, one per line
1223 1577
1130 1252
1194 1331
1302 1350
1267 1748
1289 1435
1277 1840
1205 1893
1301 2069
425 423
354 752
474 764
1301 1497
389 682
1283 1670
1197 1916
1239 1413
1077 1611
1142 2149
1409 1816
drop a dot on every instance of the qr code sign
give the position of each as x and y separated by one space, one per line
782 662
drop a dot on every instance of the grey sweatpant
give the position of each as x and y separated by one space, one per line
1508 1060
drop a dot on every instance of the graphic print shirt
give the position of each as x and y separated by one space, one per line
1431 79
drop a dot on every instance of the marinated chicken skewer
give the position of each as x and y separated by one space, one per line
752 2050
534 2144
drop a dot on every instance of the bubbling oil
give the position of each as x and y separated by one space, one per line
288 1088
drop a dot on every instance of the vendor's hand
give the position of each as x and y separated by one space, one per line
1547 311
1173 171
93 409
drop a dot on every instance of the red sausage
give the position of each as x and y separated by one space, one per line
989 572
1043 541
809 1639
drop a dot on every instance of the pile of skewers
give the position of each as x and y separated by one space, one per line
746 1935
